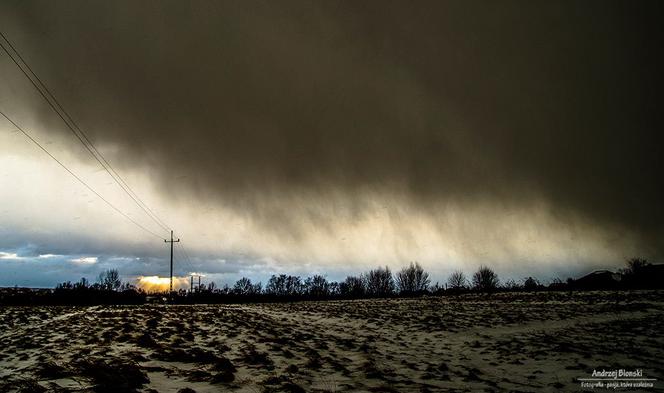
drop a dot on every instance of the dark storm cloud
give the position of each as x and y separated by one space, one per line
256 104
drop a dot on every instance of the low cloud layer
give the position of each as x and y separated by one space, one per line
322 134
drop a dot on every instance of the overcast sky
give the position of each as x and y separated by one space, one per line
331 137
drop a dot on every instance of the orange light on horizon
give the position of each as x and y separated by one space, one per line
153 284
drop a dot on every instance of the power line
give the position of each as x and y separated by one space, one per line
80 135
186 254
186 258
33 140
90 147
182 258
77 131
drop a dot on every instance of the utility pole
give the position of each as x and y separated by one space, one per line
171 241
191 288
199 283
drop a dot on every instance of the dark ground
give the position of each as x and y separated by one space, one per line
509 341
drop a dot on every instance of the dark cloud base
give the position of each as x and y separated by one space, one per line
254 106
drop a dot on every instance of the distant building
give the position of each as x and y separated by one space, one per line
599 279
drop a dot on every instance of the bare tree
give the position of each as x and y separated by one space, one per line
294 285
457 280
353 286
245 287
258 288
412 279
485 279
379 282
109 280
283 285
334 288
317 286
242 286
276 285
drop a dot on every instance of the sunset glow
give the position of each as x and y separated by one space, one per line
153 284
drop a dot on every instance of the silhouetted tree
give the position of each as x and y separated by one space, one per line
412 279
276 285
457 280
379 282
64 286
283 285
244 287
82 283
317 286
485 279
109 290
226 289
294 285
334 288
353 286
109 280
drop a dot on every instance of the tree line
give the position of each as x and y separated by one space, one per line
411 280
380 282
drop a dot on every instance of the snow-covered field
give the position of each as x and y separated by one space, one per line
510 342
